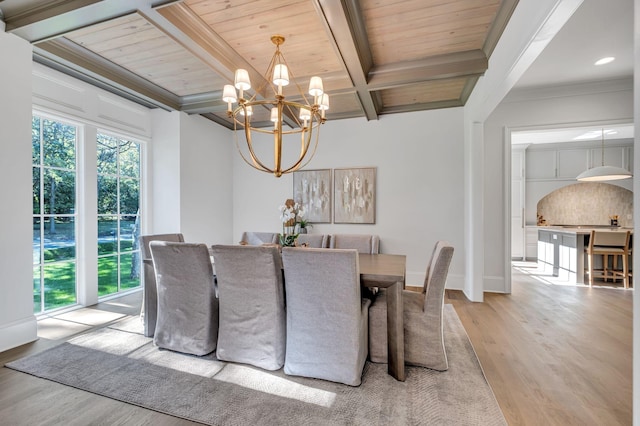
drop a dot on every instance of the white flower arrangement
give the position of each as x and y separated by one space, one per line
290 214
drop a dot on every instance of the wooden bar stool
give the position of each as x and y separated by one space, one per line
605 244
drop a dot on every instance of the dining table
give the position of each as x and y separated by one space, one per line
382 271
388 271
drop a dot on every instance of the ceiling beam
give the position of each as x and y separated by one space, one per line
468 88
460 64
43 12
181 24
74 57
185 27
346 28
203 103
499 23
59 17
423 106
217 120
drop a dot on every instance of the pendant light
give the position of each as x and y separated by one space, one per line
603 173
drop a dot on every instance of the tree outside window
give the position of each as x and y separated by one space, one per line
118 165
54 218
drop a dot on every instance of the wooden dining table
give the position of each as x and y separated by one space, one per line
388 271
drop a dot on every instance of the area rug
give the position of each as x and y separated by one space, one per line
120 363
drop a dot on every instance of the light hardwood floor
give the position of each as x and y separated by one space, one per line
554 355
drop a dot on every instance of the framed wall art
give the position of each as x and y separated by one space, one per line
354 195
312 189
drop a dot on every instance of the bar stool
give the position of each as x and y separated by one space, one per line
605 244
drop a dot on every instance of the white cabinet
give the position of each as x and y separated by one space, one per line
565 161
541 164
572 162
517 201
531 242
617 156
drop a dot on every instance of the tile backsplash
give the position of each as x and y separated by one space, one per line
587 203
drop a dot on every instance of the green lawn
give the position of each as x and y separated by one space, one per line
60 273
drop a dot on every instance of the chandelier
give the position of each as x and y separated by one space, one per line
289 118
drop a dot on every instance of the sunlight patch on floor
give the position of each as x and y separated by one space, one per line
205 366
90 316
266 382
538 273
53 328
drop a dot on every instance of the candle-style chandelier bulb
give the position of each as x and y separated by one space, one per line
315 86
280 75
241 81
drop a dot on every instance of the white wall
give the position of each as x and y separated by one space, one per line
532 25
420 188
206 198
636 214
163 174
191 184
17 323
542 108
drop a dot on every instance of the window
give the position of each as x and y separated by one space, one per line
54 218
64 215
118 167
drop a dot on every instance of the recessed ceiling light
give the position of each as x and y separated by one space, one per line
606 60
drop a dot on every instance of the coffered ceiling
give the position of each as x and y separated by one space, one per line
375 56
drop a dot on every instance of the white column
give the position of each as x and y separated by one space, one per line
87 218
474 211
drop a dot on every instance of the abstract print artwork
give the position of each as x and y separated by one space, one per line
312 189
355 195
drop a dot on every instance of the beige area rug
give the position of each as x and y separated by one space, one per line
120 363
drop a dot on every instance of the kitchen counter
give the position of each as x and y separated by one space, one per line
584 229
561 249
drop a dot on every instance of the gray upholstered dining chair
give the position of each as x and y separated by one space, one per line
313 240
423 326
187 306
252 312
364 243
326 315
259 238
149 310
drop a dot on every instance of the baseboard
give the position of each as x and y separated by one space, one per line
494 285
416 279
456 282
18 333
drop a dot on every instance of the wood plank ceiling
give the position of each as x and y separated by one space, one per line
375 56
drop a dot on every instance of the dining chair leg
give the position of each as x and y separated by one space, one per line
614 276
625 270
590 261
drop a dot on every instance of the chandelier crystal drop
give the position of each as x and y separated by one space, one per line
302 116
